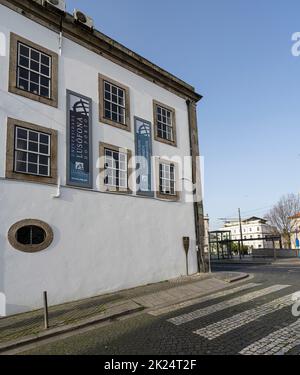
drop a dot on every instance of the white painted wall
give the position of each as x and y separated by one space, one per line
102 242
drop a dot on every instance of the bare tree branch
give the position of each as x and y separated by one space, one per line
279 216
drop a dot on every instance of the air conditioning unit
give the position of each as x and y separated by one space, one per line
59 5
83 19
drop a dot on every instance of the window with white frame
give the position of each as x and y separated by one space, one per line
115 166
33 71
114 103
164 121
32 152
167 178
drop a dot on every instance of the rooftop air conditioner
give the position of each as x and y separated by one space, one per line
59 5
83 19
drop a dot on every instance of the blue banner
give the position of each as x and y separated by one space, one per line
143 153
79 142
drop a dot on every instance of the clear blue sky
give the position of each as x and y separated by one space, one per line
237 54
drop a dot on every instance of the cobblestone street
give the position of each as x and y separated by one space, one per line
252 318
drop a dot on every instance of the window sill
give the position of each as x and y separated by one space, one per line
35 97
118 125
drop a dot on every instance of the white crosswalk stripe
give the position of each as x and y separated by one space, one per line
236 321
185 318
277 343
223 293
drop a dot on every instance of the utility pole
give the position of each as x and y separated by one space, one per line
241 231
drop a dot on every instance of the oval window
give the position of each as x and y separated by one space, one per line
30 235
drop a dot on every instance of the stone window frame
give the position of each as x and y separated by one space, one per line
12 86
157 104
112 189
169 197
127 126
12 236
10 153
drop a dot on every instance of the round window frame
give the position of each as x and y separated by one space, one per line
12 236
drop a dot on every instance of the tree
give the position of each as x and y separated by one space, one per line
279 217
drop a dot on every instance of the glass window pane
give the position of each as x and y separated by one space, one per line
38 235
20 167
45 60
21 133
32 146
21 156
43 160
44 92
22 144
23 85
45 81
34 66
24 50
32 158
114 116
34 77
44 139
45 70
33 136
44 149
43 170
24 61
34 88
35 55
32 168
23 73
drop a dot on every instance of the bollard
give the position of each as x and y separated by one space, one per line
46 315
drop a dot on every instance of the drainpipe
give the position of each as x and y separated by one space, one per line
198 198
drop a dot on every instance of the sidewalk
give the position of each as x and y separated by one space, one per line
27 328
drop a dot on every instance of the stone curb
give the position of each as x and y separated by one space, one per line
259 263
237 278
10 345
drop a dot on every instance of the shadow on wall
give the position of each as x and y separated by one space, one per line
5 308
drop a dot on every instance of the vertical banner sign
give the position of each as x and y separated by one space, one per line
143 152
79 140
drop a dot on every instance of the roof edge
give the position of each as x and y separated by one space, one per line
103 45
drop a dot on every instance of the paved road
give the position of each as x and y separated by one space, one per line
254 317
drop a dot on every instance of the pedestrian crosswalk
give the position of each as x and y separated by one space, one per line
279 342
225 305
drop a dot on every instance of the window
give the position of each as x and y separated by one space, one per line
164 122
115 165
33 71
114 168
114 103
30 235
167 186
167 179
31 153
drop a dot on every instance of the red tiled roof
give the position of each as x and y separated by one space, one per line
297 216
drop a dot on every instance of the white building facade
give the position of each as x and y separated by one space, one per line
75 109
254 230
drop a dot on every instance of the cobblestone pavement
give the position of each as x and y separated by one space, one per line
263 324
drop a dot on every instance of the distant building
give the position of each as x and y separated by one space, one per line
295 235
206 234
254 230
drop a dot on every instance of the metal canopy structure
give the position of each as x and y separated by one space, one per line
222 242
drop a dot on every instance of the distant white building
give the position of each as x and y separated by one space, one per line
295 235
254 230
